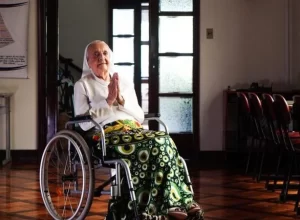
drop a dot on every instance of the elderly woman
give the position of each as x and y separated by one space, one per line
157 172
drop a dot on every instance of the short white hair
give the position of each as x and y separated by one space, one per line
97 42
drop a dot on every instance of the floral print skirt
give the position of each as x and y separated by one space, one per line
158 174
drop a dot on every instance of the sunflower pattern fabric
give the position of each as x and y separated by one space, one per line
157 171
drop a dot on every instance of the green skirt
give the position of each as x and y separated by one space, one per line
158 174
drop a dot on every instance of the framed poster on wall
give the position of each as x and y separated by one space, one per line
13 38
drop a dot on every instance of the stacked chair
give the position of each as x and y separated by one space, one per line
290 142
270 118
273 138
258 119
244 121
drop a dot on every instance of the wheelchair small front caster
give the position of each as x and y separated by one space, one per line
117 209
113 213
111 216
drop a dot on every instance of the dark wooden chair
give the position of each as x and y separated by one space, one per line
273 138
296 126
290 142
246 125
259 122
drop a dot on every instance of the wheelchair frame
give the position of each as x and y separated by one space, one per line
70 173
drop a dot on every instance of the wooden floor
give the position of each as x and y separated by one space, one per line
223 194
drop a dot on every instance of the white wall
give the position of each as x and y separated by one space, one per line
81 22
249 45
24 100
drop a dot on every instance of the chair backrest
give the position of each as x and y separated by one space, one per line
244 106
256 106
270 115
282 110
296 112
296 107
268 107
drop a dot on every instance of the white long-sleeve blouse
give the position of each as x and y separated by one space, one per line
90 95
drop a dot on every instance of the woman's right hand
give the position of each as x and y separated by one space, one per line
112 90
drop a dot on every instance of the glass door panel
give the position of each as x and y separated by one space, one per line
177 113
175 34
123 22
176 74
176 5
145 61
145 25
123 49
145 97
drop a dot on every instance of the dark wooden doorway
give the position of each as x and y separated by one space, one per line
47 71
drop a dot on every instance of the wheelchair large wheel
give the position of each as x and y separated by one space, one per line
67 176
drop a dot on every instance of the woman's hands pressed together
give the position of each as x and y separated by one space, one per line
114 91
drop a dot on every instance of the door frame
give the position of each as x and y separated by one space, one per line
186 151
47 28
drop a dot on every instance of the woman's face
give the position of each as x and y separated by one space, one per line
99 59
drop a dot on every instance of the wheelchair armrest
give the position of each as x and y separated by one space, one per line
88 118
78 119
155 117
81 118
152 115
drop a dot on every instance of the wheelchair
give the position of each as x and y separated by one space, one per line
67 175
